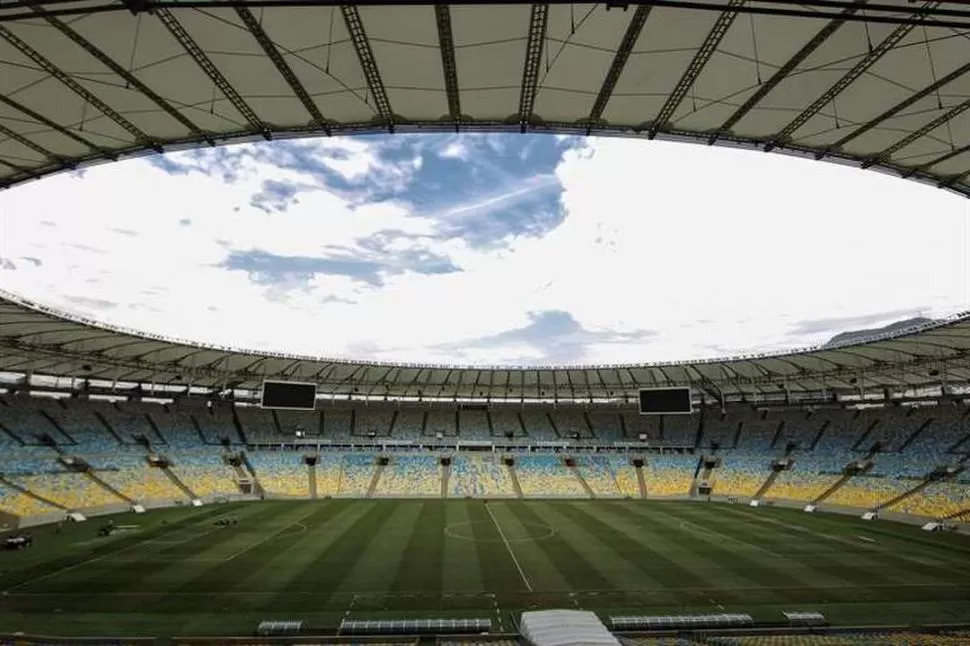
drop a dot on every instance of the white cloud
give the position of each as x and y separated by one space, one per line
716 250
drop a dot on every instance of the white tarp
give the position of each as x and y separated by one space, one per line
565 628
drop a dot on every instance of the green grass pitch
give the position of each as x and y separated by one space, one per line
322 561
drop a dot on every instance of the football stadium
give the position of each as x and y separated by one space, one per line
160 490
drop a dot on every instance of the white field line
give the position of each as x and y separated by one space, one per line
508 546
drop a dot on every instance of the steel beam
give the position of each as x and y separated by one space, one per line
696 66
208 67
446 44
273 53
77 88
39 118
860 68
538 23
949 115
623 51
896 109
782 73
37 148
120 71
365 54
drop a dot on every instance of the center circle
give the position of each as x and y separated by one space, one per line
465 531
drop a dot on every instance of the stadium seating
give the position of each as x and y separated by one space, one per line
538 426
204 472
504 422
411 475
600 475
356 474
670 474
20 504
282 473
473 425
479 476
374 420
571 424
108 435
742 474
606 426
937 500
71 490
441 421
546 475
143 484
799 484
869 492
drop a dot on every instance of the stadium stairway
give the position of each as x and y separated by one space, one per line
107 426
30 494
104 485
766 485
838 484
515 480
581 479
178 482
963 514
641 482
311 470
909 493
445 478
375 480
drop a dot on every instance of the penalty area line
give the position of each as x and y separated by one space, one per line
508 546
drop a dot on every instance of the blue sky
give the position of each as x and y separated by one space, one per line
487 249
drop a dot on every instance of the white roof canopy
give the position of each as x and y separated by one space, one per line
43 341
880 84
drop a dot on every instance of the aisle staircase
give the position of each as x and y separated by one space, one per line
581 479
641 481
766 485
923 484
30 494
515 480
104 485
445 478
311 470
375 480
178 482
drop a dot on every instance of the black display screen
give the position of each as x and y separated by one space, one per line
285 394
665 401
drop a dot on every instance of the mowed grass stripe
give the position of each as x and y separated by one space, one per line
496 569
877 563
570 562
145 559
615 558
34 577
244 556
326 573
375 572
726 567
807 563
324 527
461 569
420 567
684 566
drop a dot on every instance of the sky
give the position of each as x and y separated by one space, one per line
487 249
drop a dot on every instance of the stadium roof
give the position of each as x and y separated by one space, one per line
882 85
39 340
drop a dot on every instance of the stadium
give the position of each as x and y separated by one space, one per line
158 490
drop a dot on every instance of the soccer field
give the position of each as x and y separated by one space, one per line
322 561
